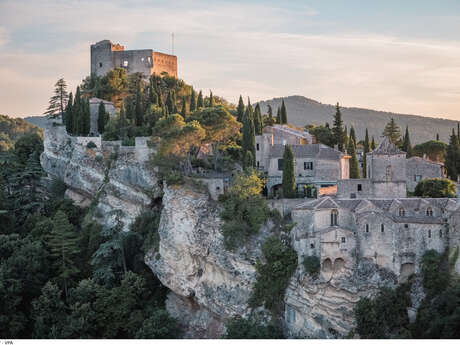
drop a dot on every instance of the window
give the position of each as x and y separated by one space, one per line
100 64
257 147
280 164
382 228
417 178
312 245
257 163
343 239
406 226
334 215
429 212
429 233
353 196
125 63
217 188
360 187
440 233
367 227
402 212
307 165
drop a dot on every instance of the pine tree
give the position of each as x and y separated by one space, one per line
63 243
278 115
200 102
365 151
193 101
373 144
240 110
392 131
183 111
102 118
406 145
338 131
284 120
258 125
58 101
138 111
248 142
211 100
288 181
354 168
69 115
452 156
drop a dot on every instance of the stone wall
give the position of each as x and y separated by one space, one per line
419 168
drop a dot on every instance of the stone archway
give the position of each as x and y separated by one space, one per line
327 265
339 263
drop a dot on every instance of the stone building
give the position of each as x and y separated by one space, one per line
94 112
106 55
419 168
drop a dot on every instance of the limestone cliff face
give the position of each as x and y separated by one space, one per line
209 284
119 184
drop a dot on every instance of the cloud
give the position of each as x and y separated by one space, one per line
231 48
3 36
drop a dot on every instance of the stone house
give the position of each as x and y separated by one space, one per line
419 168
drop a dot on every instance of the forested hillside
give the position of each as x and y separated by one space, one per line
303 111
11 129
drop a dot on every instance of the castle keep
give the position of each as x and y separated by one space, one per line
106 55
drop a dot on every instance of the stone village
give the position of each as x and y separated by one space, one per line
344 219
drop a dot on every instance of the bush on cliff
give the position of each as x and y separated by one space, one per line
244 209
273 274
312 265
241 328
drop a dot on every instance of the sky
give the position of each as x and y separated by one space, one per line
399 56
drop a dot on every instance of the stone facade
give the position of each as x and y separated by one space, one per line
419 169
94 112
106 55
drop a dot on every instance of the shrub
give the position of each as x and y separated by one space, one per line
435 188
128 141
146 225
159 326
91 145
312 265
58 188
240 328
273 275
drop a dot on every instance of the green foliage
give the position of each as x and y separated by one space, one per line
434 150
288 182
58 188
240 110
244 209
58 101
283 113
323 135
241 328
159 326
102 117
91 145
406 145
312 265
11 129
392 131
354 168
435 188
26 145
273 274
366 149
258 123
338 131
146 225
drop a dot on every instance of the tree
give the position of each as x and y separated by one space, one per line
249 140
58 101
240 328
352 137
366 150
289 186
63 243
211 100
435 188
392 131
159 326
200 102
433 149
322 134
278 115
102 118
452 155
373 144
169 103
283 113
192 101
354 168
406 145
68 117
240 110
85 116
270 115
138 108
26 145
258 123
183 111
338 131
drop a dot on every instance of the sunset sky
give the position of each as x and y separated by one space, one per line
400 56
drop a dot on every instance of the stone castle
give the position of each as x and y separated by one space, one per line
106 55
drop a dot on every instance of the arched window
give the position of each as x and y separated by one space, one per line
429 212
334 216
429 233
382 228
367 227
440 233
402 212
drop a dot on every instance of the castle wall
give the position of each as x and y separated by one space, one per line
101 58
164 63
387 167
134 61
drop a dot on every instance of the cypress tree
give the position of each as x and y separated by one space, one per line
278 115
437 136
101 118
337 129
169 103
85 124
211 100
122 123
365 151
452 155
138 111
288 182
373 144
160 100
193 101
270 114
258 120
240 110
184 109
352 136
76 113
406 146
283 113
354 169
68 119
249 140
200 102
174 102
248 160
153 97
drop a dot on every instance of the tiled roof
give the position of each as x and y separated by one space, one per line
307 151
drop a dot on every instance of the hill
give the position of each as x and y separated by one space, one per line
11 129
302 111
